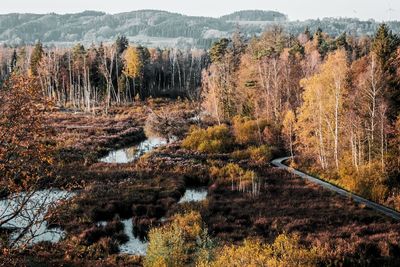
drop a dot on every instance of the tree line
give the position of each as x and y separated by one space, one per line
334 101
100 76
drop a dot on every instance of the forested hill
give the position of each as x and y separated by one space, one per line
160 28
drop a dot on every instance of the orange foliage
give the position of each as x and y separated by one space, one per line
24 156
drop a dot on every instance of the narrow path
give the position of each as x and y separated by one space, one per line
373 205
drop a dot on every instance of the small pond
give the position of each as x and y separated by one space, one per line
31 217
194 195
129 154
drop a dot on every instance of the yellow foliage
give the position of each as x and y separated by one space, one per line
175 244
320 120
216 139
133 64
368 181
190 223
166 247
247 131
261 154
286 251
241 180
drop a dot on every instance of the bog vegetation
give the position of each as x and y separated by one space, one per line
185 241
331 103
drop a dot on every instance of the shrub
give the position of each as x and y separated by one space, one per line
285 251
259 155
216 139
166 247
247 131
368 181
168 125
178 243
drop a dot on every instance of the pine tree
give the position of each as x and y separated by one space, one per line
218 50
122 44
341 42
36 57
384 47
13 62
320 43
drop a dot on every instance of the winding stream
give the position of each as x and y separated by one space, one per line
129 154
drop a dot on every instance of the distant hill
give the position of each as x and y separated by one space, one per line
255 15
160 28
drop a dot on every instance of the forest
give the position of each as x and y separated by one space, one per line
334 103
85 78
159 28
121 155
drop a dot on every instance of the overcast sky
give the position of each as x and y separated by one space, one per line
381 10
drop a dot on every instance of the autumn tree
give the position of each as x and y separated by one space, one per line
25 155
320 117
289 123
133 66
219 87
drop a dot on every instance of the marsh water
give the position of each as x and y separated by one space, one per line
136 246
32 216
25 215
194 195
129 154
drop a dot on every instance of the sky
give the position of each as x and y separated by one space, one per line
380 10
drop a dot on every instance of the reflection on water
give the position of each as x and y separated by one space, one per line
126 155
194 195
34 207
134 246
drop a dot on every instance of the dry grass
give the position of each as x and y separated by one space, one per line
288 204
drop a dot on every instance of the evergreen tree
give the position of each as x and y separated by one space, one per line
320 43
13 62
36 57
218 50
308 33
341 42
122 44
384 46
